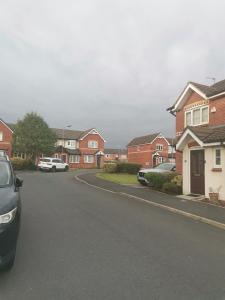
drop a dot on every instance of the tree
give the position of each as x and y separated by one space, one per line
33 137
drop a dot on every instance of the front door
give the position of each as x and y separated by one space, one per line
198 172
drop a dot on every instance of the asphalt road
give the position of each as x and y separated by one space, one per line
80 243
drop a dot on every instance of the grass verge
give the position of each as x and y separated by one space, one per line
118 178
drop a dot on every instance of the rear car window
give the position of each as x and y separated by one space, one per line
5 174
45 160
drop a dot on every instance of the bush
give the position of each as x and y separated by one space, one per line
22 164
171 188
157 180
110 167
177 180
129 168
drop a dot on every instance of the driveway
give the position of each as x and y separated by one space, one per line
81 243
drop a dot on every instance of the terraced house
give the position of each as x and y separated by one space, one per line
151 150
200 132
80 149
6 134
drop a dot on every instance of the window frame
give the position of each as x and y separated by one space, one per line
159 147
93 144
86 159
1 136
192 111
215 158
74 161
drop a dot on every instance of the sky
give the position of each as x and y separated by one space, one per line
113 65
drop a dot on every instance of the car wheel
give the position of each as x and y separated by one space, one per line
143 183
53 169
8 266
66 168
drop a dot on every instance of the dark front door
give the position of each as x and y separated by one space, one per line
198 172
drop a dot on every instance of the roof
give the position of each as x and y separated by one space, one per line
204 136
141 140
171 141
61 149
67 133
115 151
206 91
210 134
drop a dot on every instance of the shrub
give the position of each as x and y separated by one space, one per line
157 180
22 164
171 188
110 167
177 180
129 168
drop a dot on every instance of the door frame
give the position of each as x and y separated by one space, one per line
190 150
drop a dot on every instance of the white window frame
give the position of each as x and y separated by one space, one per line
92 144
1 136
159 147
215 157
160 159
194 109
74 159
88 159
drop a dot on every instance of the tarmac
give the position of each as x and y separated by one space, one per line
211 214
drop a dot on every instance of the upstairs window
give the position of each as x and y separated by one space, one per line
92 144
159 147
197 116
1 136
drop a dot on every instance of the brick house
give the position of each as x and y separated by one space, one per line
6 134
115 155
151 150
80 149
200 132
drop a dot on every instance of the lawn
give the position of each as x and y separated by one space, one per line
119 178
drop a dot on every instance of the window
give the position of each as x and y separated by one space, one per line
160 159
197 116
1 136
74 159
159 147
89 159
92 144
188 118
217 158
71 143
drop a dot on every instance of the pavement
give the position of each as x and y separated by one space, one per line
79 242
201 209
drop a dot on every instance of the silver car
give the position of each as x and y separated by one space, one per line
162 168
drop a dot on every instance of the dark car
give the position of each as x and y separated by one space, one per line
10 210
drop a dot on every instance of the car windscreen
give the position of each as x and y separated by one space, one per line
45 160
5 174
167 167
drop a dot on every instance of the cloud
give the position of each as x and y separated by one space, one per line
116 65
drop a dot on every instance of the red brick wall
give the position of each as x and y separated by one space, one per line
83 144
6 144
217 117
142 154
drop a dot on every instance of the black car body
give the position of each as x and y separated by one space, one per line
10 211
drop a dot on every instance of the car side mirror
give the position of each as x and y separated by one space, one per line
18 182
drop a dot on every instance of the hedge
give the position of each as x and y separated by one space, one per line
171 188
157 180
110 167
22 164
129 168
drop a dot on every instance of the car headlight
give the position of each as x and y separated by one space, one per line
8 217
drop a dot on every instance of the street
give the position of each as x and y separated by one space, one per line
78 242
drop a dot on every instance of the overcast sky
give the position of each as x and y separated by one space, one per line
114 65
